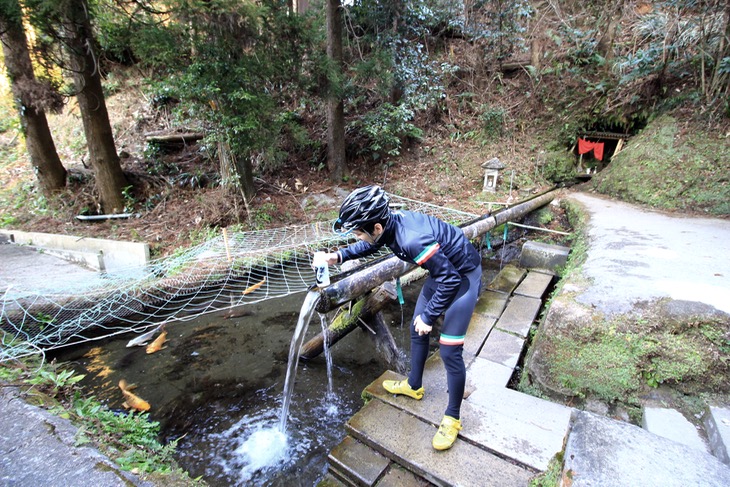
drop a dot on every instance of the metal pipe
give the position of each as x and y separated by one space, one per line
349 286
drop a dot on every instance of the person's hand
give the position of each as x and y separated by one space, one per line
421 327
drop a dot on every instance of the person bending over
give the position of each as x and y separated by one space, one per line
451 289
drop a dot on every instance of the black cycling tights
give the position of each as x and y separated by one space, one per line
451 342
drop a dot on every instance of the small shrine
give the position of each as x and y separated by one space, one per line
491 174
595 149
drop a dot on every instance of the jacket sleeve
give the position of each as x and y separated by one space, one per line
447 278
358 249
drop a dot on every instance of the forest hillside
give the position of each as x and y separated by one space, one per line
222 112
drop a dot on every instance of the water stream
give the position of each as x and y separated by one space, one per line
305 315
217 387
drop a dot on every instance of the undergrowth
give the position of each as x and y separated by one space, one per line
670 167
129 439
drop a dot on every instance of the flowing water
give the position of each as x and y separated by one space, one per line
226 389
305 315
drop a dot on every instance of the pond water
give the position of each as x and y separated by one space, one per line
218 387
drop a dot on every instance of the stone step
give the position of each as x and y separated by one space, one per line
330 480
503 348
406 439
356 464
717 426
508 279
671 424
519 314
525 429
491 304
534 285
604 452
397 476
479 328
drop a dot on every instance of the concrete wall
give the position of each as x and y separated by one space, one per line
96 253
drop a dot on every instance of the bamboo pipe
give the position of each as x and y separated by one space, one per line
355 284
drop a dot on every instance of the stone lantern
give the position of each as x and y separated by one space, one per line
491 174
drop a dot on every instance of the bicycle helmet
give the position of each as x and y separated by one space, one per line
361 207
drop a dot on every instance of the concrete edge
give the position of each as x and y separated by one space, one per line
116 255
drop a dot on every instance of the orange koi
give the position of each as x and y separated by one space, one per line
251 289
156 345
132 401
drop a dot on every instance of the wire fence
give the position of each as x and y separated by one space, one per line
225 272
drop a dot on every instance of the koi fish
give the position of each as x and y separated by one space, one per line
156 345
251 289
236 314
142 340
132 401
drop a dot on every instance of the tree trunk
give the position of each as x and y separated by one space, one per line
110 180
336 162
244 168
38 140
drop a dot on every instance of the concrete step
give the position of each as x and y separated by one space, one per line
527 430
534 285
356 464
519 314
406 439
610 453
717 426
671 424
508 279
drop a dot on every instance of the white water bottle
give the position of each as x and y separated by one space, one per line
321 269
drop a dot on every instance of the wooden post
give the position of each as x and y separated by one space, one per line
225 242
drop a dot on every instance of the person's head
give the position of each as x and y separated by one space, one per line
364 212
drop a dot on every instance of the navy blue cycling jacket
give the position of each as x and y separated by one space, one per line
440 248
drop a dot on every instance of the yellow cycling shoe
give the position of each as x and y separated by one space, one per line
402 387
446 435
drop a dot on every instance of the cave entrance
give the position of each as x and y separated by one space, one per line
594 151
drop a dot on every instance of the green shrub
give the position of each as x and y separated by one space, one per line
386 129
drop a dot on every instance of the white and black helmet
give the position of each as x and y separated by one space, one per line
362 207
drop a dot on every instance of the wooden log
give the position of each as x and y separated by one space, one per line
385 344
515 65
362 311
184 138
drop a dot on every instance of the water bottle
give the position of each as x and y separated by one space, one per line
321 269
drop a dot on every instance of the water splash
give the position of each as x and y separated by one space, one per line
305 315
265 448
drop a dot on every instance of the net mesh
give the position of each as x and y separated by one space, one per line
226 272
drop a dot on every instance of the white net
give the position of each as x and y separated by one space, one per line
226 272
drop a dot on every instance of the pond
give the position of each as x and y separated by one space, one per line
218 385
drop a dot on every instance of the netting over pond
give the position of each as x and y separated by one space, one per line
227 272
